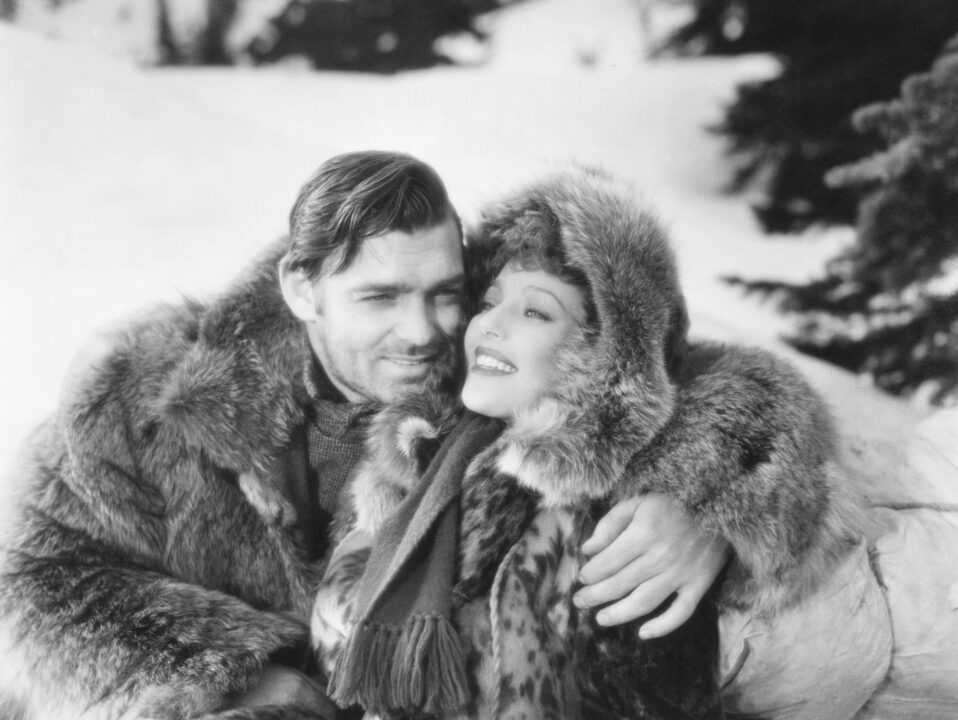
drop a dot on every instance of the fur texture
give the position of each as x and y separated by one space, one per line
139 580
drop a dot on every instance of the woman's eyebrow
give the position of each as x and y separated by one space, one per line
550 294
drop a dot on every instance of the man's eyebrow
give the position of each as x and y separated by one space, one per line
391 287
455 281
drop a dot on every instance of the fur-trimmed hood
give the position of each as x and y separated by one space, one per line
612 392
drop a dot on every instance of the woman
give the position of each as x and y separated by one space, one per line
581 390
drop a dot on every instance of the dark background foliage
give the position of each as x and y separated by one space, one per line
859 126
836 57
368 35
377 35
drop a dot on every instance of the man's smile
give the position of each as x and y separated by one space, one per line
413 361
410 359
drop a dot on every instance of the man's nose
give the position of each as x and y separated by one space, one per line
417 326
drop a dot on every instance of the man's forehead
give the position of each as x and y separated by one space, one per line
429 256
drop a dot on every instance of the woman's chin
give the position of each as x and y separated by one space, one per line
484 403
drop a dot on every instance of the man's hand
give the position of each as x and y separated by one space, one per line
644 550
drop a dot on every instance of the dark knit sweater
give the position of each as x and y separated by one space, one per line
335 433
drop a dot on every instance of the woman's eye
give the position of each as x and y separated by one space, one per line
485 305
537 314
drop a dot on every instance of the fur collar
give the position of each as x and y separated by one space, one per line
237 391
612 392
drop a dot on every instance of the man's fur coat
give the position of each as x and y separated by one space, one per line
734 434
148 574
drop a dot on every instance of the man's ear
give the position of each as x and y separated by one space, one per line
299 292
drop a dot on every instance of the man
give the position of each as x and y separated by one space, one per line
175 517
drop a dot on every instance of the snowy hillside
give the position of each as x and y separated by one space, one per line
121 186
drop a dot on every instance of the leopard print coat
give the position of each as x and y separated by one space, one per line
531 652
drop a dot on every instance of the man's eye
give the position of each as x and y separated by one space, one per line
452 295
379 298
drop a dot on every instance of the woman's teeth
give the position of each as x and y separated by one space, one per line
489 363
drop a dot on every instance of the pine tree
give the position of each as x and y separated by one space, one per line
376 35
887 306
788 131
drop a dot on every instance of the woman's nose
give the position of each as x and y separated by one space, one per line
490 323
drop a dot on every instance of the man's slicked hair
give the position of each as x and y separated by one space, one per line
358 195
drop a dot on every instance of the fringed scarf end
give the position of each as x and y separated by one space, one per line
416 667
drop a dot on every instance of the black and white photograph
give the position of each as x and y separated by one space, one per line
479 359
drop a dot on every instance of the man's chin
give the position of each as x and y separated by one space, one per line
428 379
400 374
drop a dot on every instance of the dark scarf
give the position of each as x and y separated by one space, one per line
404 653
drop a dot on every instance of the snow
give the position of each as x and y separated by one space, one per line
121 186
